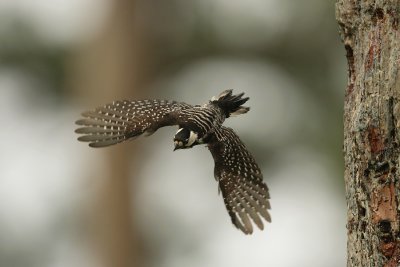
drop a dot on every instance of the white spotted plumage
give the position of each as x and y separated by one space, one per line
245 195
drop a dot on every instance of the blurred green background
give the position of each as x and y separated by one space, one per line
140 204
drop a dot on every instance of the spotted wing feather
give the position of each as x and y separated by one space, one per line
240 180
123 120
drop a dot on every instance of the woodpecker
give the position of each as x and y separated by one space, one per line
239 178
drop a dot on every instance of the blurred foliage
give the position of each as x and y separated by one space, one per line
22 48
310 54
307 49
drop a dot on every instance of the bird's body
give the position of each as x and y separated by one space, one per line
240 180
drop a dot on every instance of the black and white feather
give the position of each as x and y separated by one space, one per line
240 180
123 120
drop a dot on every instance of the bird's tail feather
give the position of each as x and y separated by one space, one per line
231 104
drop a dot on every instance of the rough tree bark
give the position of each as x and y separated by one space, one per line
370 32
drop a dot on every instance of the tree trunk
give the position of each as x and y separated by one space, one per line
370 32
110 67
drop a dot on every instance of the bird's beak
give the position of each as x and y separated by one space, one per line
176 145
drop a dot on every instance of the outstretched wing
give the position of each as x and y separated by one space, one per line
122 120
240 181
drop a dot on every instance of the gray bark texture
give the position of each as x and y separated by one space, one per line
370 32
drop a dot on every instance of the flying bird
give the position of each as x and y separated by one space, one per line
239 178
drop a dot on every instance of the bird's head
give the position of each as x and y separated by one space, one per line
185 138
